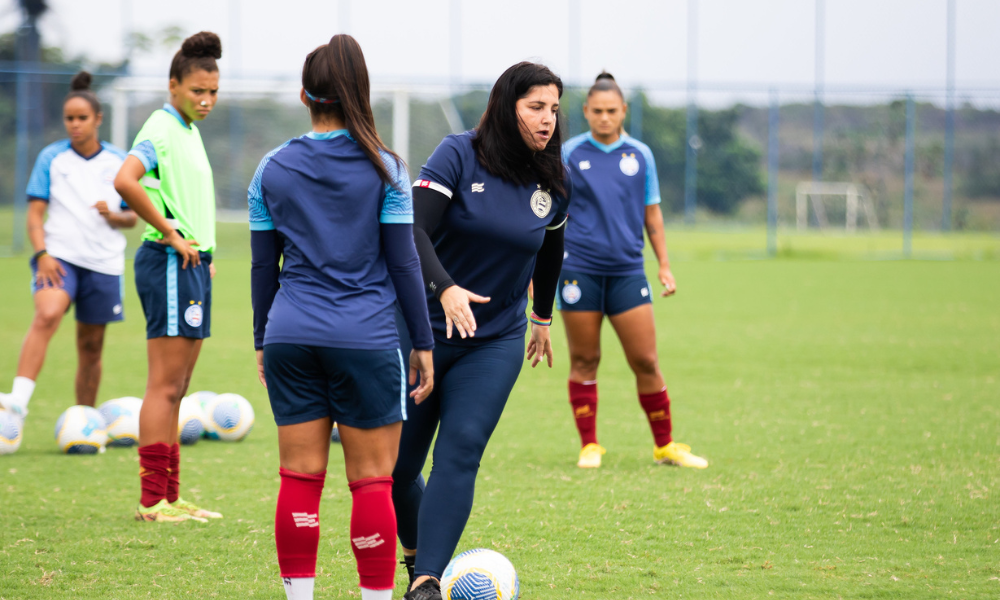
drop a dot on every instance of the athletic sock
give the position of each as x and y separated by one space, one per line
657 407
174 476
367 594
154 466
299 588
373 532
21 391
296 526
583 398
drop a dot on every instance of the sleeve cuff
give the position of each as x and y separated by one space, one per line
262 225
652 201
396 219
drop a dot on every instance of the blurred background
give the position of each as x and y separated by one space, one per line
792 125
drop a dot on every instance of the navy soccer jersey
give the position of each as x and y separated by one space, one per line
488 237
612 185
335 289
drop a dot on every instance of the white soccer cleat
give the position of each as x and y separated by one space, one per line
7 403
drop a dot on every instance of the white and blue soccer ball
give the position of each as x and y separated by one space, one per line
11 431
230 416
121 418
81 430
203 398
190 424
480 574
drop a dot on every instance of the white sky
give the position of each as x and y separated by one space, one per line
886 43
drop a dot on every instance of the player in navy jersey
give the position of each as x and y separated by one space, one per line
79 252
490 212
615 194
334 206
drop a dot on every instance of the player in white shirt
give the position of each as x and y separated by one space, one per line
79 252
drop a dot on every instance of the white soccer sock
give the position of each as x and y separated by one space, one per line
22 390
299 588
367 594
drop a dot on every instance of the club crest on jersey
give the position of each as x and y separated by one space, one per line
541 202
571 292
479 187
584 165
193 315
628 164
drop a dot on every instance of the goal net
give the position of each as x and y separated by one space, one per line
816 192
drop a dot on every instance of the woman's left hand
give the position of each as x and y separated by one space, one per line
540 345
260 368
211 271
667 279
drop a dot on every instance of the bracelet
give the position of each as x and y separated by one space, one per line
540 321
39 254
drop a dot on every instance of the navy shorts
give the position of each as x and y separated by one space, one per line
358 388
606 294
176 301
98 297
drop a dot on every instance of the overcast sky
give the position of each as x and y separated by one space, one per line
895 43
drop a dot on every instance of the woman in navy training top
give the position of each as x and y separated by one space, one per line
616 192
335 204
490 212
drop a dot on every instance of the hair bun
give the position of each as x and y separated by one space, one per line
81 81
605 75
203 44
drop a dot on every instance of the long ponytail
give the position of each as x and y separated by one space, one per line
335 78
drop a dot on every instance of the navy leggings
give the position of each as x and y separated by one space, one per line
471 386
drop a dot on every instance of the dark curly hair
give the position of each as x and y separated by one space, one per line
79 87
200 51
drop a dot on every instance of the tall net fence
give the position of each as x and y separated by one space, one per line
769 167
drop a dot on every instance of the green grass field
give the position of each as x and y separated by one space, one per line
850 410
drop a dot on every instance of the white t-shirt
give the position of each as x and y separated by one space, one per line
72 184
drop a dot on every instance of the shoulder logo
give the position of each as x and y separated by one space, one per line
479 187
628 164
541 202
193 315
584 165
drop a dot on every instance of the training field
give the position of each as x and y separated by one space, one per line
850 410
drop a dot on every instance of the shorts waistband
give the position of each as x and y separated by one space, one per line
165 247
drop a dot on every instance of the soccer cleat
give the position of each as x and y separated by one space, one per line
163 512
590 456
194 510
7 403
679 455
428 590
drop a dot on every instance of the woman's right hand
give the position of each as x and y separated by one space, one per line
50 272
458 313
422 363
260 368
185 248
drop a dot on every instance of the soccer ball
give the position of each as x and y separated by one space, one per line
335 434
230 416
81 430
480 575
190 425
203 398
11 428
121 416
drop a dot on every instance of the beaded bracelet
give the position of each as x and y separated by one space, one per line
540 321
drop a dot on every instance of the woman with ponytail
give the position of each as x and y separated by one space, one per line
79 252
333 208
616 195
167 180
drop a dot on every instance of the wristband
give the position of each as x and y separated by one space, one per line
39 254
540 321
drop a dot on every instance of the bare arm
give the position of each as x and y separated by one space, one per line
654 228
36 223
49 271
127 184
118 220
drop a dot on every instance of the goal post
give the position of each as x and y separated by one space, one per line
813 192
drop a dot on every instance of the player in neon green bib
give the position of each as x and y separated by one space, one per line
166 180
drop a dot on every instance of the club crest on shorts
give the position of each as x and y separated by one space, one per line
628 164
571 292
541 202
193 315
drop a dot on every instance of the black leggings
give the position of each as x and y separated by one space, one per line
471 386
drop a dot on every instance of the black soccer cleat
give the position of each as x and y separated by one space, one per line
428 590
409 562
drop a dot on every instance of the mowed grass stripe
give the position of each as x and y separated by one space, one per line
849 411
